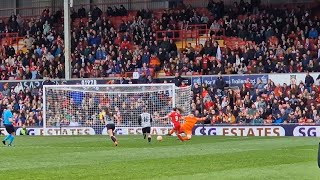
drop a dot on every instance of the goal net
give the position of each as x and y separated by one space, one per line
80 106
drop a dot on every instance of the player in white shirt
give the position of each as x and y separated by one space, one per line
145 120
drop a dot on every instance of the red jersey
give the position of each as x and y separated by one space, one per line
174 117
205 63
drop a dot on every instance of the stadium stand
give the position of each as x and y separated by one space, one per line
242 39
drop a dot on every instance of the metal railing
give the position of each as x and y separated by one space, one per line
191 33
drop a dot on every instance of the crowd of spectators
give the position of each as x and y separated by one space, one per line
260 103
277 40
26 103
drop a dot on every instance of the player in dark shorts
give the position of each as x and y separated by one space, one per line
145 120
8 124
108 118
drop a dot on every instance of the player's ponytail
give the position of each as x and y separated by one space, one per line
180 110
108 112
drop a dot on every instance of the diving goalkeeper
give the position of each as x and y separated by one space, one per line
188 125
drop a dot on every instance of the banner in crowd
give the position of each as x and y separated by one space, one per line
240 80
231 80
88 131
240 130
138 131
59 131
266 130
211 80
291 77
39 83
217 130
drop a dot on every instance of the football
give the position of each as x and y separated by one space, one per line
159 138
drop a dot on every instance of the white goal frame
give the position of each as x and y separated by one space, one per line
44 98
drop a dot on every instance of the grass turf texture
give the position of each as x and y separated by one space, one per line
204 157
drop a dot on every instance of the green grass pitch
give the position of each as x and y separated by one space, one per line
204 157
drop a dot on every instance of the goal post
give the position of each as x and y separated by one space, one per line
66 106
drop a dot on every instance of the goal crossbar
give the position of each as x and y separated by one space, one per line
109 85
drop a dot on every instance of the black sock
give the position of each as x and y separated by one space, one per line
113 138
149 139
144 135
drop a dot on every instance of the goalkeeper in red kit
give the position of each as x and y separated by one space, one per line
175 117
